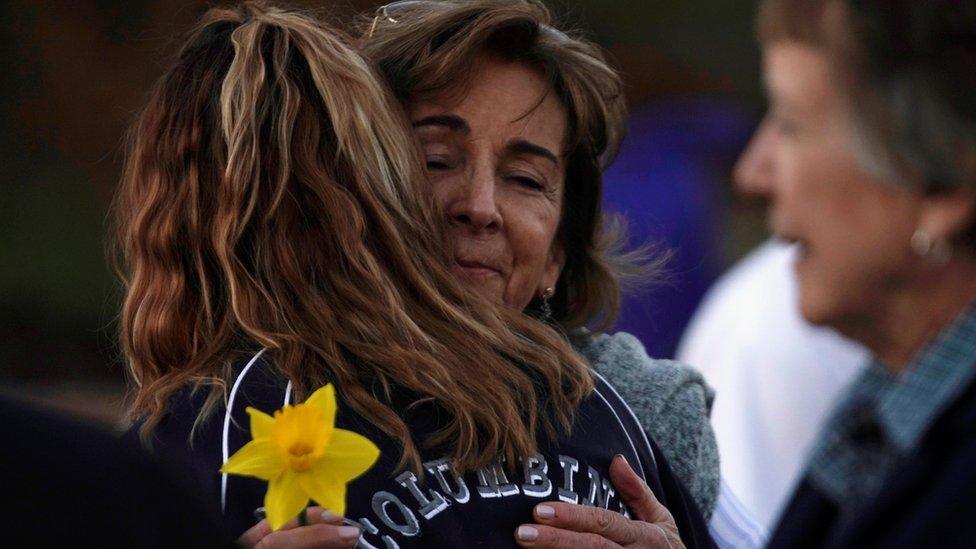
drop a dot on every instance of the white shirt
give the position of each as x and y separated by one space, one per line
776 377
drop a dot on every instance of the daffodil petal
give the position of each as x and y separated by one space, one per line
258 458
261 423
325 489
325 400
348 456
284 500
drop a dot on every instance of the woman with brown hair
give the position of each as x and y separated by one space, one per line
275 236
517 121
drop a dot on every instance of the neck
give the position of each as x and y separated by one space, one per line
916 316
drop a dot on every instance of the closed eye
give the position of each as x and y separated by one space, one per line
528 182
436 164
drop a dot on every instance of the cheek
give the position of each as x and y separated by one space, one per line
530 239
826 196
857 252
852 212
442 189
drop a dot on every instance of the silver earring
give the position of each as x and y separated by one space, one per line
546 307
935 251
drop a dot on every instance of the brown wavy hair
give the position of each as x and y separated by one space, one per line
429 46
273 198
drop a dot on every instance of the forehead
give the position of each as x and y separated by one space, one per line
503 100
797 75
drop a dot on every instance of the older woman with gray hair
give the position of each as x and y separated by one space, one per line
868 159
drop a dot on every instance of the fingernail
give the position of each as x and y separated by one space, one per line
623 457
329 516
348 533
527 533
545 511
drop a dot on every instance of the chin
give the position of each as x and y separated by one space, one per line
484 288
814 295
814 316
816 308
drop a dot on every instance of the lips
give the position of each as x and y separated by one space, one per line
475 268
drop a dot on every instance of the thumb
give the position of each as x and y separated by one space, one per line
636 495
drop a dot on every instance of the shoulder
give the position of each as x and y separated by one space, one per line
672 403
58 464
760 282
253 382
768 265
200 437
199 442
647 384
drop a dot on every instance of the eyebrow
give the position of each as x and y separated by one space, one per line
521 146
449 121
457 124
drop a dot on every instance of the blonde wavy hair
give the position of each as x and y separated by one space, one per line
273 198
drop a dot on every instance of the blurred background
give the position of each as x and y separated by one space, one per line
75 73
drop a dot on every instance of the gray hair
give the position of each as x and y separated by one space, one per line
909 70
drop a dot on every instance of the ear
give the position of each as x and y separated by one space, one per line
946 215
554 268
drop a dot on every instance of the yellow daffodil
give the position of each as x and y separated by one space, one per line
302 455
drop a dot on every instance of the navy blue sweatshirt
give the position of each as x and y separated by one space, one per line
395 508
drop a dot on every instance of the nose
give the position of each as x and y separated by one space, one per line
475 205
754 172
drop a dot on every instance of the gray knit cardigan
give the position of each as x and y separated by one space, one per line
672 403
